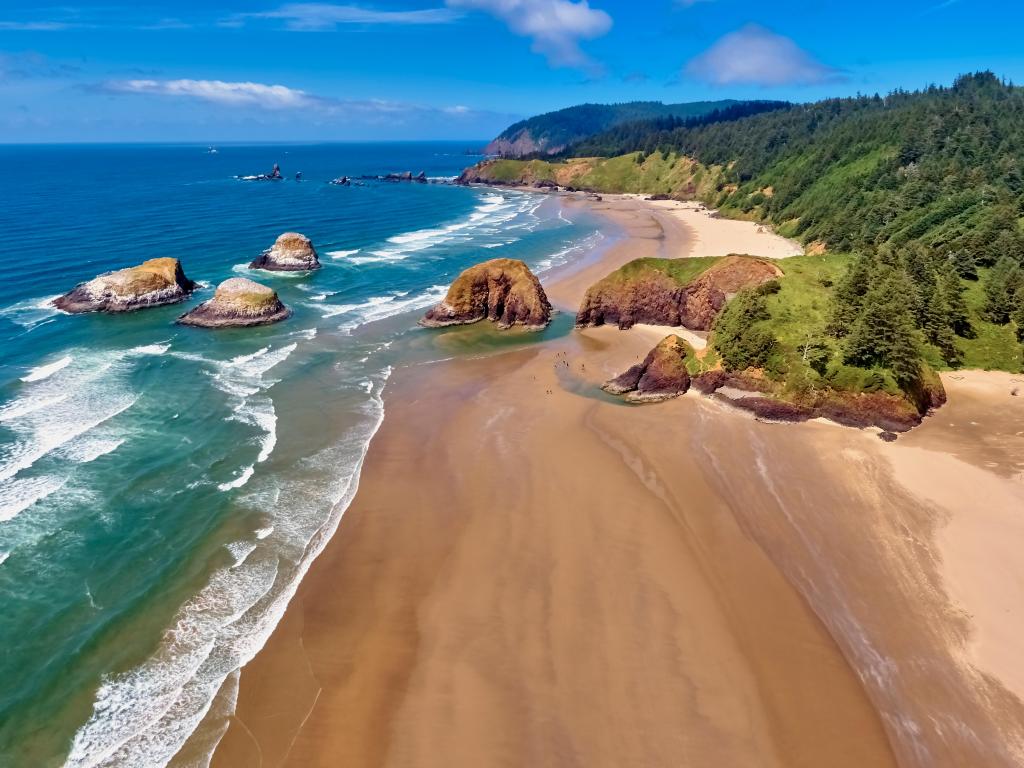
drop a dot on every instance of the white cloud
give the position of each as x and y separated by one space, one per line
35 26
755 55
555 26
306 17
219 92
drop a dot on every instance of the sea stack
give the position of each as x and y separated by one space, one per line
238 303
503 291
291 252
664 292
661 376
150 284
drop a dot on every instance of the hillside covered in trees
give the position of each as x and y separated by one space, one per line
553 132
916 201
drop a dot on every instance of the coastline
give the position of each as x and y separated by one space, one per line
464 615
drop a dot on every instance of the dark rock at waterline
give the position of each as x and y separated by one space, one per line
661 376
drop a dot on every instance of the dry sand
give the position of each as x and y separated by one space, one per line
534 579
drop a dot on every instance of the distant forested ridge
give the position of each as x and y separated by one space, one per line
552 132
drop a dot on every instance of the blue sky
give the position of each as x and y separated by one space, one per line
462 69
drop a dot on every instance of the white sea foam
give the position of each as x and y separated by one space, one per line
55 415
4 556
240 550
31 312
262 533
143 716
382 307
342 254
45 371
238 482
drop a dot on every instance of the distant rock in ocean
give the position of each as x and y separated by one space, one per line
503 291
661 376
150 284
291 252
238 302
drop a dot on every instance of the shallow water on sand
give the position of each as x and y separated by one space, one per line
163 489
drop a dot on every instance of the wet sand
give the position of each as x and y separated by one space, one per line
535 574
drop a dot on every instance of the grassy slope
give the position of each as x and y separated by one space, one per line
799 313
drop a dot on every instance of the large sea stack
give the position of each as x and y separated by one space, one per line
661 376
151 284
238 302
671 292
503 291
291 252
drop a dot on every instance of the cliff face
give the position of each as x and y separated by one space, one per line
503 291
238 302
519 144
291 252
661 376
653 293
151 284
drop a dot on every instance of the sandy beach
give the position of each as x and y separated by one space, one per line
534 574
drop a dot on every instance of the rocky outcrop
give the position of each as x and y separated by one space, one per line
238 302
151 284
660 292
661 376
503 291
886 411
291 252
520 144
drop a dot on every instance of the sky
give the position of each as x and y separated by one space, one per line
219 70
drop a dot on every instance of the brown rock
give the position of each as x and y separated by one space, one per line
503 291
151 284
647 291
238 302
661 376
291 252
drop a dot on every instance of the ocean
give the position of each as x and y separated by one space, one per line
163 489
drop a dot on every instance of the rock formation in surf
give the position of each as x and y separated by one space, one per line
238 302
667 292
291 252
503 291
150 284
661 376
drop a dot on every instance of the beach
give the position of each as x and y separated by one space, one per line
532 573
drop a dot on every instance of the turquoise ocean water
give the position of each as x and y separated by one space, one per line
163 489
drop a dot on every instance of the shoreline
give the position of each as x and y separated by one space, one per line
431 612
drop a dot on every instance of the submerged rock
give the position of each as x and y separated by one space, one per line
651 291
503 291
661 376
291 252
238 302
150 284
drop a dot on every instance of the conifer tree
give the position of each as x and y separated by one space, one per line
1018 316
952 291
849 295
937 328
1000 289
883 333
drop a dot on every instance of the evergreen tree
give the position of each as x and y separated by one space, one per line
937 328
1018 316
883 333
849 296
952 293
1000 290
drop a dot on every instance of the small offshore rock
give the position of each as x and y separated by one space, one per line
151 284
503 291
238 303
291 252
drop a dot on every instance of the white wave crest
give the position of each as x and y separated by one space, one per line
45 371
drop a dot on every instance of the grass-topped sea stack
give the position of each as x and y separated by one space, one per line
503 291
661 376
150 284
687 292
291 252
238 302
